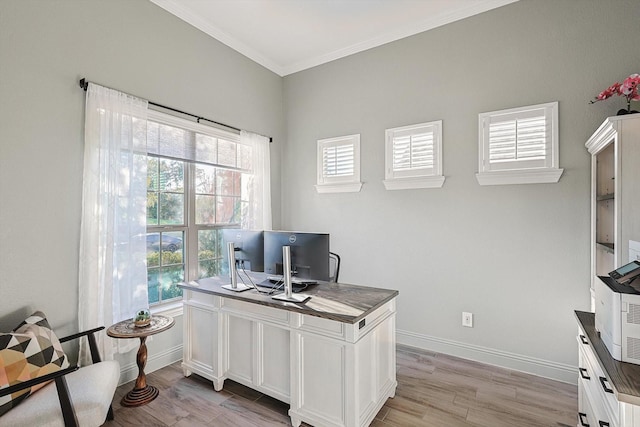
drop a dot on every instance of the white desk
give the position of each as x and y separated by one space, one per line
331 359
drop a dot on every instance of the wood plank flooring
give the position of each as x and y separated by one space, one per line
433 390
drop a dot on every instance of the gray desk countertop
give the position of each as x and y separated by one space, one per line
335 301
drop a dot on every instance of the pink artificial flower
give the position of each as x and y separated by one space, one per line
609 92
630 86
630 89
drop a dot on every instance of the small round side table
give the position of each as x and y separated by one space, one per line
141 393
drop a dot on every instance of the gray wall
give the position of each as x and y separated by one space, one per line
131 45
515 256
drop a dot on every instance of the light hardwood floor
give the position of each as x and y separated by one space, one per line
433 390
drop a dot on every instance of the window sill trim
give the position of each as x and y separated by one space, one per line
171 309
527 176
350 187
411 183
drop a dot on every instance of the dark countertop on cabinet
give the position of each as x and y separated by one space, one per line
624 377
335 301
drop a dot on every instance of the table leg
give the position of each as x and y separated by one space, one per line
141 393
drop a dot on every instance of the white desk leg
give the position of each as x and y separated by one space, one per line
218 384
295 421
186 372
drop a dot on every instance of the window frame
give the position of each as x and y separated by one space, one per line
520 171
190 228
338 184
414 178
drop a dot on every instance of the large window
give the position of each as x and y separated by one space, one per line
197 183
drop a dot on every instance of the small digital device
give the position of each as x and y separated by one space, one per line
626 273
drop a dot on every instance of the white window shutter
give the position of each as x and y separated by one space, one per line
338 160
414 156
339 164
413 151
519 145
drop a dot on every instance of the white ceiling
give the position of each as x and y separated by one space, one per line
287 36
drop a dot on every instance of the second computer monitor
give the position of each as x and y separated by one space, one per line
249 248
309 253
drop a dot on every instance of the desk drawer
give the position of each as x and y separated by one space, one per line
201 298
331 328
256 311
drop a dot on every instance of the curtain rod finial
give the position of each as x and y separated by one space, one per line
83 83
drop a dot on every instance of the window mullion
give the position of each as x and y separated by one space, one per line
191 265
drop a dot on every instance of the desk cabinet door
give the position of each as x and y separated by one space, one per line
241 348
320 383
201 346
272 363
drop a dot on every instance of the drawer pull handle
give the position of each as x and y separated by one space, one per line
582 421
583 339
583 373
606 388
603 423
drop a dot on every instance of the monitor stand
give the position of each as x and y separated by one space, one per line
233 273
288 295
297 298
240 287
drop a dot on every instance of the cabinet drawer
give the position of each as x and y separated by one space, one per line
597 389
256 311
322 326
369 322
201 298
587 416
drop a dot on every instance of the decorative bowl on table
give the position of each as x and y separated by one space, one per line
142 318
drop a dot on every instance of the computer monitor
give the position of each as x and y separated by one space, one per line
309 254
249 248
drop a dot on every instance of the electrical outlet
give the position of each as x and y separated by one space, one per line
467 319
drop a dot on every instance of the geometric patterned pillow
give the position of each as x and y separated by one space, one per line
30 351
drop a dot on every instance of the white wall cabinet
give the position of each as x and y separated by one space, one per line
615 193
332 373
609 390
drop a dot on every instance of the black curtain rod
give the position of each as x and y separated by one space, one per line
84 84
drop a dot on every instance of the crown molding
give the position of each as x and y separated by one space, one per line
178 9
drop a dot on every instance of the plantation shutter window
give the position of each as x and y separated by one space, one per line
338 161
519 145
413 156
518 140
339 164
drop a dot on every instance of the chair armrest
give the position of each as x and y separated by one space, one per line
35 381
93 347
80 334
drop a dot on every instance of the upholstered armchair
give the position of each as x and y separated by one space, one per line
39 388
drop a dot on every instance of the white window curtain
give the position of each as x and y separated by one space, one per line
258 184
112 272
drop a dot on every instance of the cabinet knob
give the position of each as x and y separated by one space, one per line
584 339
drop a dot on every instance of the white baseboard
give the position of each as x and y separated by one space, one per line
543 368
540 367
155 361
